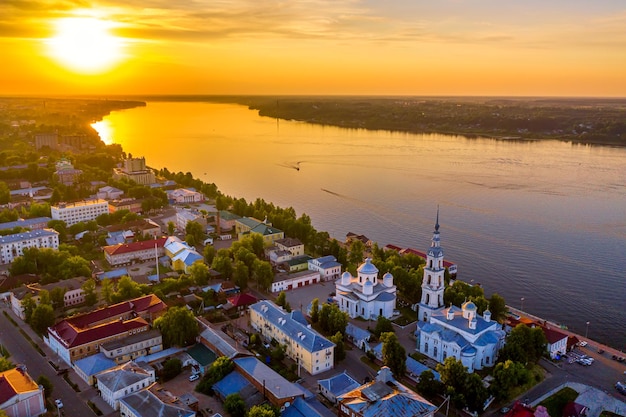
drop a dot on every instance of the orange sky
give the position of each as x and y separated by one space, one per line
412 47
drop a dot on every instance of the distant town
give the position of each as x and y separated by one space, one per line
133 291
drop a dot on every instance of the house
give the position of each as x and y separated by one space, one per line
287 282
87 368
277 256
133 346
384 397
292 245
183 217
151 402
557 341
297 263
309 349
414 369
123 380
219 342
337 385
81 211
202 358
357 336
185 259
12 246
65 172
73 293
184 196
365 296
37 223
242 301
134 205
247 225
109 193
327 266
141 227
307 407
79 336
126 253
227 220
20 396
351 237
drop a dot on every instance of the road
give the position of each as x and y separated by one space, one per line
74 404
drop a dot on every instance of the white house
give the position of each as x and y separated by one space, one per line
309 349
183 195
557 342
327 266
82 211
364 296
12 246
123 380
295 280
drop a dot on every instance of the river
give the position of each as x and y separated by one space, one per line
542 223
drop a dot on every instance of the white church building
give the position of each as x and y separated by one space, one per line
458 332
364 295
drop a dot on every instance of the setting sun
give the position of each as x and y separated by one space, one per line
85 45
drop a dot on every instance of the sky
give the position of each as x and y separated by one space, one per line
314 47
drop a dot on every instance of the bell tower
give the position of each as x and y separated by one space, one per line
433 284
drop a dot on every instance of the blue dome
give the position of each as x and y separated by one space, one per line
469 306
387 275
368 283
367 267
346 275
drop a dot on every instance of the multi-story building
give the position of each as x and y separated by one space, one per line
131 347
125 253
66 173
123 380
184 196
384 396
247 225
20 395
185 216
135 169
327 266
80 336
151 402
12 246
131 204
305 346
73 293
294 246
32 224
81 211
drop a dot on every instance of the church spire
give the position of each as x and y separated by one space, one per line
437 221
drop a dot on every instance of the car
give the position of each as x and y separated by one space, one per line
583 343
505 410
59 403
194 377
621 387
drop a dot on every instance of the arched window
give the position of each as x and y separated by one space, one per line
426 347
435 351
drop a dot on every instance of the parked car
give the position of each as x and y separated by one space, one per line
621 387
194 377
59 403
583 343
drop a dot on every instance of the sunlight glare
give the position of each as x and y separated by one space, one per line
105 131
85 44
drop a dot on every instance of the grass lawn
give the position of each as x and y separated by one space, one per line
537 374
557 401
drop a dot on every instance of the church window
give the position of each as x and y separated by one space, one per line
445 355
429 278
426 347
435 351
381 312
431 264
425 316
363 311
427 298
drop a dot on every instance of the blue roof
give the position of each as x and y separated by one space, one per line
163 354
461 323
292 327
307 408
357 333
28 235
232 383
274 382
24 223
339 384
116 273
416 368
367 267
385 296
94 364
327 258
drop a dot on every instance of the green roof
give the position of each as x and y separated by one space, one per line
227 215
202 354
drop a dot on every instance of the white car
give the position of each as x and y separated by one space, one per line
194 377
59 403
583 343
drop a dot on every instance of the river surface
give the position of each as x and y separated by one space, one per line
542 223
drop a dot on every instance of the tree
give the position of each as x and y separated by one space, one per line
44 297
394 355
89 288
6 364
74 266
241 275
357 248
46 384
524 345
383 325
60 227
507 375
196 231
263 410
199 273
223 264
281 300
57 297
171 368
209 253
5 193
28 304
235 405
263 273
497 307
428 386
127 289
178 326
475 392
332 319
42 318
106 291
171 228
315 310
340 349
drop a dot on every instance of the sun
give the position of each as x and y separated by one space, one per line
85 44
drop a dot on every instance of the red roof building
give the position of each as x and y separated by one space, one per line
19 394
125 253
242 301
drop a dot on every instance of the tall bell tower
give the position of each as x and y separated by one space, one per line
433 284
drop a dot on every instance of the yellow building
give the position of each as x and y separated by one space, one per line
247 225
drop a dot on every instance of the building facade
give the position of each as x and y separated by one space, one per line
12 246
20 396
310 350
124 380
364 295
433 284
125 253
327 266
82 211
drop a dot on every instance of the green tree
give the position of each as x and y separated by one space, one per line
57 297
89 288
475 392
383 325
315 310
263 273
195 230
209 254
171 228
223 264
454 376
107 291
263 410
394 355
235 405
281 300
44 297
171 368
524 345
127 289
199 273
497 307
178 326
506 376
340 349
357 248
60 227
5 193
74 266
46 384
28 304
428 386
241 275
6 364
42 318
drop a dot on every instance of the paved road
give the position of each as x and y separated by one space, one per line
23 352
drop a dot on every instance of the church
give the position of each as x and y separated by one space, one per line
364 295
459 332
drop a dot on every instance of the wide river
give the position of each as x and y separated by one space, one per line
542 223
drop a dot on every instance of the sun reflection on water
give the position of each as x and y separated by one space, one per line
105 131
